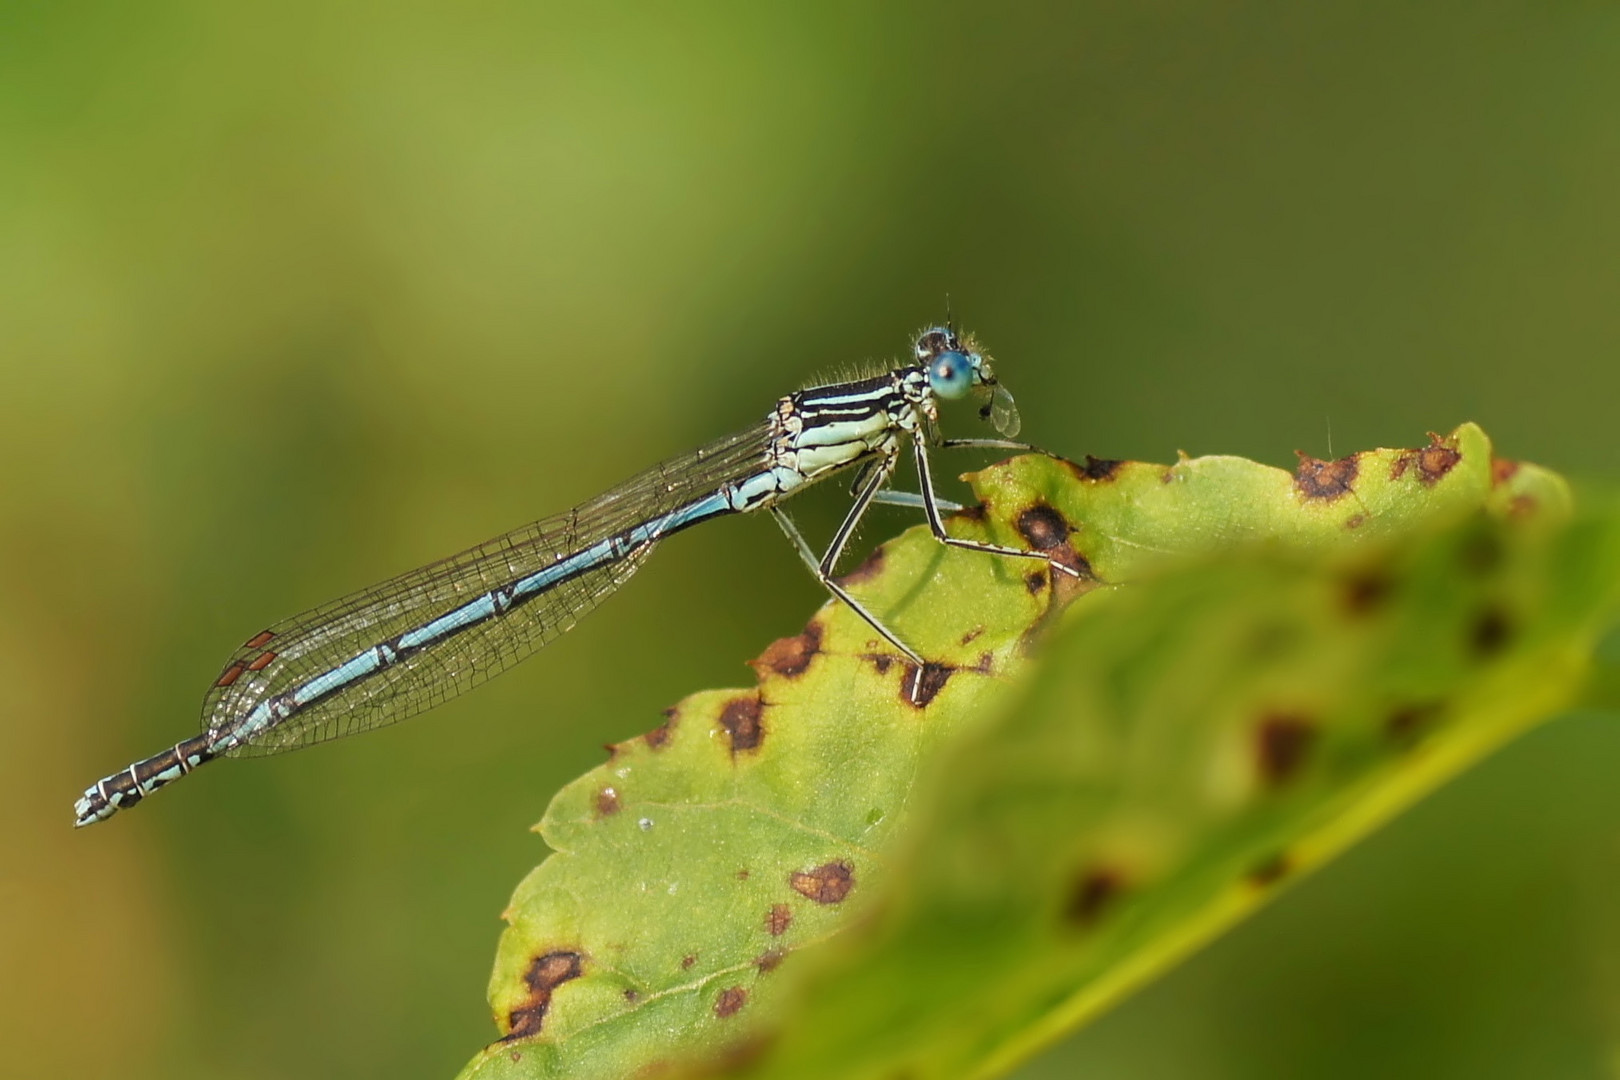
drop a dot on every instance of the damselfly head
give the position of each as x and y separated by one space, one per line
956 368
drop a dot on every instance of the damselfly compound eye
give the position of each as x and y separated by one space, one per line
950 375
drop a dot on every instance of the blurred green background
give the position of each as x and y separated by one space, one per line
296 296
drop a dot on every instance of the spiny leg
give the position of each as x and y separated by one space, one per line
822 568
937 525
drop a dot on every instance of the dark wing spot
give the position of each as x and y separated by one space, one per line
828 883
778 919
790 656
740 719
1325 480
545 974
1093 890
770 960
259 640
1282 743
1490 632
230 675
917 689
1043 527
262 661
730 1000
607 802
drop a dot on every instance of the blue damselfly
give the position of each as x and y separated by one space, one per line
408 644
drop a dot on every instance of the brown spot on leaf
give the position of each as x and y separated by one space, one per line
984 664
742 875
1034 581
1091 894
1095 469
881 662
869 569
976 512
730 1000
1366 591
607 802
687 961
1431 462
1406 724
1355 521
1325 480
1270 870
1436 459
778 919
1043 527
740 719
1522 506
658 737
971 634
828 883
770 960
1490 631
918 688
1281 744
631 996
1503 470
790 656
545 974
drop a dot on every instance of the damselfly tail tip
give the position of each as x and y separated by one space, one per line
122 790
91 808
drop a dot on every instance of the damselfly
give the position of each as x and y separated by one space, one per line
406 645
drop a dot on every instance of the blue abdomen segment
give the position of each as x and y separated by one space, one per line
278 711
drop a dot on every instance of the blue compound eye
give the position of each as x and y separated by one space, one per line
951 374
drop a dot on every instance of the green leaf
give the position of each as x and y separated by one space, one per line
1110 773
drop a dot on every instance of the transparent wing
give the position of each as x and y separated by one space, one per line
294 651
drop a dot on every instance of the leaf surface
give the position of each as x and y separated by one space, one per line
815 876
